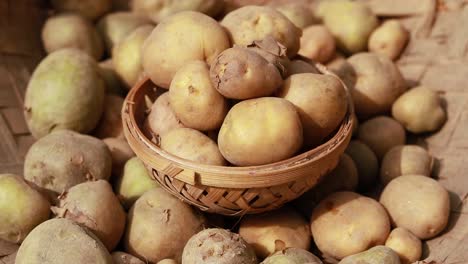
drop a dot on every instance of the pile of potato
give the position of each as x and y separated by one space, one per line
242 91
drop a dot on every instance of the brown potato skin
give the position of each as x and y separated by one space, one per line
120 153
300 66
110 124
317 43
162 118
405 244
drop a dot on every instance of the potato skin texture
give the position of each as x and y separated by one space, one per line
162 117
300 66
364 220
260 131
110 124
317 43
375 255
405 244
124 258
366 163
91 9
292 256
418 203
389 39
299 14
120 152
199 37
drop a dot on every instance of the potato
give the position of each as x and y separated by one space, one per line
178 39
272 51
120 153
362 219
121 5
292 256
418 203
300 66
299 14
167 261
124 258
114 27
133 182
65 158
157 10
91 9
381 133
218 246
321 118
375 255
366 163
350 22
94 205
317 43
389 39
192 145
21 208
59 241
112 81
405 160
405 244
240 73
339 63
72 31
250 23
64 92
162 118
263 231
157 218
260 131
110 124
195 100
419 110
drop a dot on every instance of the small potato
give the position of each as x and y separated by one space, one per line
300 66
389 39
346 223
317 43
263 231
405 244
418 203
162 117
366 162
120 153
181 38
321 103
250 23
110 124
299 14
419 110
91 9
112 81
72 31
381 133
124 258
195 100
375 255
260 131
405 160
240 73
192 145
292 256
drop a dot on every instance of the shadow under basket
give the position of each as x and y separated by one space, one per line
232 191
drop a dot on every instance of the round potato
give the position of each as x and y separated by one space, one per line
110 124
405 244
375 255
317 43
162 117
299 14
195 100
366 163
260 131
120 153
389 39
124 258
321 103
300 66
418 203
91 9
364 221
181 38
292 256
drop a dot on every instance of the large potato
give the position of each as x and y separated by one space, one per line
405 244
366 162
260 131
162 117
178 39
91 9
195 100
110 124
418 203
389 39
317 43
65 92
292 256
375 255
250 23
321 103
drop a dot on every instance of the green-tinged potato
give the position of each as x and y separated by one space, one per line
112 81
260 131
72 31
405 244
91 9
65 158
195 100
120 152
292 256
157 10
95 206
218 246
21 208
65 92
133 182
250 23
381 133
181 38
264 231
317 43
366 162
110 124
405 160
418 203
162 117
116 26
127 55
375 255
346 223
59 241
167 261
299 14
321 103
124 258
389 39
419 110
350 22
300 66
241 73
159 225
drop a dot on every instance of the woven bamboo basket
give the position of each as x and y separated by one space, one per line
230 190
